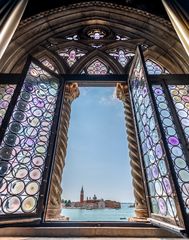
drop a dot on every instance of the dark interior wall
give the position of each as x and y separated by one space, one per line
151 6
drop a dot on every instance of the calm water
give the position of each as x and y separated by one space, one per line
100 214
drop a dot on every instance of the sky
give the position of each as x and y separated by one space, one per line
97 153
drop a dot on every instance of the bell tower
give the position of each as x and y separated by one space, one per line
82 195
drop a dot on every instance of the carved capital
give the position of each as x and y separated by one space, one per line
71 92
122 91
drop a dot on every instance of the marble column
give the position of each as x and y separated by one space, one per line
179 21
10 23
71 92
138 182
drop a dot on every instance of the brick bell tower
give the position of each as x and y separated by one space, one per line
82 195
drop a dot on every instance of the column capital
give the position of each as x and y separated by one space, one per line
122 91
71 92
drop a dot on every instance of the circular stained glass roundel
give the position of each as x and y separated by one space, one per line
29 204
162 206
11 204
6 153
32 188
15 127
38 161
11 139
16 187
20 171
35 174
25 96
19 116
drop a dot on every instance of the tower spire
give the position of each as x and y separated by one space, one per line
82 195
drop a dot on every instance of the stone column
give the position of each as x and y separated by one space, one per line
71 92
10 22
179 21
138 182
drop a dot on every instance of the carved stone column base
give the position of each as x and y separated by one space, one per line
53 213
141 213
137 219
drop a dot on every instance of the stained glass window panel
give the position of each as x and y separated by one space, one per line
174 144
161 193
24 147
121 55
71 55
48 64
121 38
96 34
154 68
6 92
180 96
98 67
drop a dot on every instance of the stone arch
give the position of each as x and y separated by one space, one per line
36 30
96 54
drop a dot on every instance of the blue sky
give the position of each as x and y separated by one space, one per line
97 153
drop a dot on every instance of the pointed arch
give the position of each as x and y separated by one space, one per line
96 54
154 68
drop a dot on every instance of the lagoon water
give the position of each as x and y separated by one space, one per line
100 214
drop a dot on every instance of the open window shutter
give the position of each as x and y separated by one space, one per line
27 137
165 204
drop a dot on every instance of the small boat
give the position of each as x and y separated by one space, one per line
122 218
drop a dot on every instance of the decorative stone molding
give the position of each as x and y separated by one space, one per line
60 22
71 92
92 4
138 182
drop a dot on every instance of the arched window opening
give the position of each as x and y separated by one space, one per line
98 158
97 67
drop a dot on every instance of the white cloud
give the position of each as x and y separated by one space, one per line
109 100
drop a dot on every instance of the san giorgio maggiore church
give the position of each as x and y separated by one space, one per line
48 49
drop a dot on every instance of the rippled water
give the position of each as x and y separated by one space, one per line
100 214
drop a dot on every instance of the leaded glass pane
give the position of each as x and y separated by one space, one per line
121 55
121 38
180 96
161 193
48 64
24 148
154 68
96 34
6 92
71 55
98 67
174 144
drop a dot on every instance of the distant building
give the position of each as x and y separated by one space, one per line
82 195
94 203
